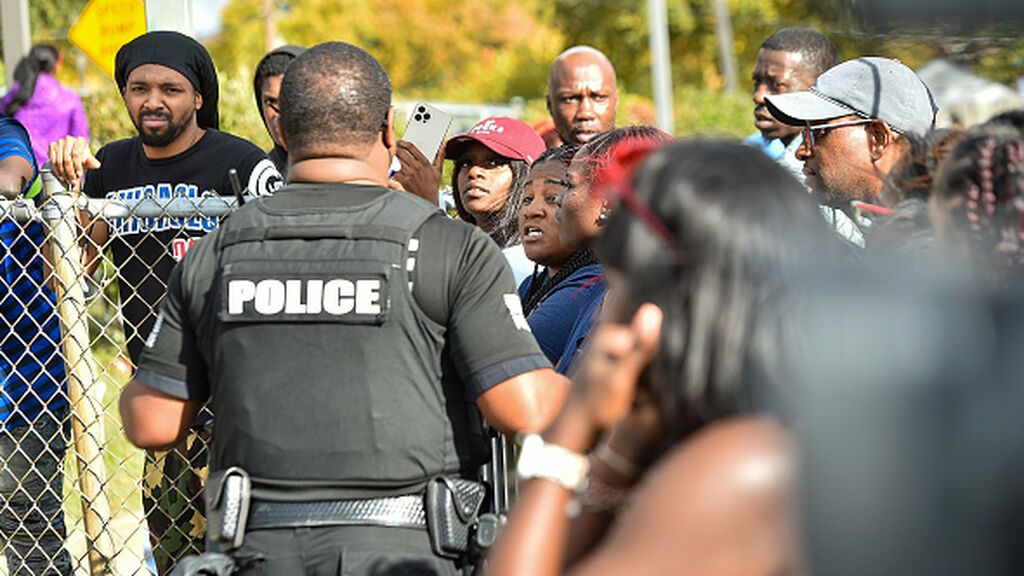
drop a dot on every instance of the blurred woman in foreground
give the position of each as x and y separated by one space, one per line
683 477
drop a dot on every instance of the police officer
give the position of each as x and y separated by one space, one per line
349 337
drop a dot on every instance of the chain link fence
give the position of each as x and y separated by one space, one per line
77 498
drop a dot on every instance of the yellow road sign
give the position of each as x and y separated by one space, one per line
106 25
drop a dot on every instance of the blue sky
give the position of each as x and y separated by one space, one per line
206 16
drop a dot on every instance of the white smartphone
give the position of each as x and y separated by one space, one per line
426 130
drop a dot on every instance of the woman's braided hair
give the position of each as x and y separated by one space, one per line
981 184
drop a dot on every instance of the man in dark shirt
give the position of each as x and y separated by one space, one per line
348 336
169 86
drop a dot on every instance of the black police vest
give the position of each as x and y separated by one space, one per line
324 370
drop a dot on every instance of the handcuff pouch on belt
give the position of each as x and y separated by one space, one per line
452 507
227 496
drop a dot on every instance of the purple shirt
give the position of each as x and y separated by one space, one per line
52 113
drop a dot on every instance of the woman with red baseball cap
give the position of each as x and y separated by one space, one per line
492 162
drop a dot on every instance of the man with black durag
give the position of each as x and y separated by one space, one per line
169 86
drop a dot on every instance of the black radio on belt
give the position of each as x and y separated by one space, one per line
452 506
227 495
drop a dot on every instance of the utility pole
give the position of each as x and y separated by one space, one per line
17 34
269 27
661 64
723 30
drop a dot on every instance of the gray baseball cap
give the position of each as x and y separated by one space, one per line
870 87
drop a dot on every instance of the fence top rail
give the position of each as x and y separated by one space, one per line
19 210
206 205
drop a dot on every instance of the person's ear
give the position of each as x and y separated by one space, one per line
547 102
388 137
199 100
880 137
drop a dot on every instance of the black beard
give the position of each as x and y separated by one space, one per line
166 137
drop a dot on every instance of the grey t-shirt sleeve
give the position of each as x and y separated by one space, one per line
171 360
463 282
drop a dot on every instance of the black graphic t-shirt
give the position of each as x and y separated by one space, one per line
144 250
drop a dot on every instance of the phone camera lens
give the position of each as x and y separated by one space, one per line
426 116
422 110
418 117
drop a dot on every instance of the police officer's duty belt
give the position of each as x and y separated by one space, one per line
395 512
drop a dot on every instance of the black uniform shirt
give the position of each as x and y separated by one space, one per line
460 280
145 249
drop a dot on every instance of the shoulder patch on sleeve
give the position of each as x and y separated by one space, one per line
515 310
154 333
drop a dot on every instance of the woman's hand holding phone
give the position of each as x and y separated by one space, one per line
418 175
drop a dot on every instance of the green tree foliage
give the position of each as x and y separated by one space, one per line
494 50
1004 62
491 50
620 29
50 21
238 114
109 120
466 50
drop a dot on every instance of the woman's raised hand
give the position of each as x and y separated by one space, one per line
605 383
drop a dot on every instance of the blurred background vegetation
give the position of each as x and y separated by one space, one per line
497 50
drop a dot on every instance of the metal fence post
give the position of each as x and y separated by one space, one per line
87 425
